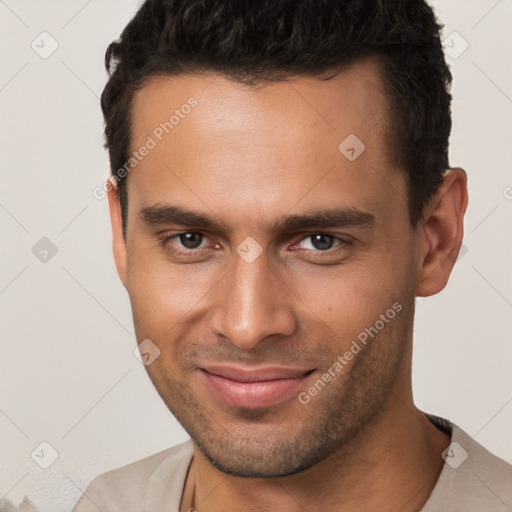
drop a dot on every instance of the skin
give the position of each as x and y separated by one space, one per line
249 157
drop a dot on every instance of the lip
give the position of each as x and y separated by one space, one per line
254 387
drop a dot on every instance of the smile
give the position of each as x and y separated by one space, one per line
255 387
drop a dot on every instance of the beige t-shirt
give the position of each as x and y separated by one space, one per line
472 480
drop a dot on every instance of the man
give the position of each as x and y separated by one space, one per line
280 194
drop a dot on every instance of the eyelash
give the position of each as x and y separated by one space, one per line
163 242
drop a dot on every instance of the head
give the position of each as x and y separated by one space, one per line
283 200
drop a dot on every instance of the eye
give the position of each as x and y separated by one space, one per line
190 240
184 242
320 242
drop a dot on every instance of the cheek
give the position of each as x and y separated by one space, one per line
162 294
349 298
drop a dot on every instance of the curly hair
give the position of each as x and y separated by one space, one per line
253 41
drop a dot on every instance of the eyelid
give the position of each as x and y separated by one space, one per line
165 238
342 241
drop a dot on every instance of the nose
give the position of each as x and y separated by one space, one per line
253 303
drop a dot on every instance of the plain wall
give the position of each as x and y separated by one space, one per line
67 370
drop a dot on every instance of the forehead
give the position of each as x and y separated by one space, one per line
351 98
214 139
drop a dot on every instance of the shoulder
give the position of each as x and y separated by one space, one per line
472 478
130 487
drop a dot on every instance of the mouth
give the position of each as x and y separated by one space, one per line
254 387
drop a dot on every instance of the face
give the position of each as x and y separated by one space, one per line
259 254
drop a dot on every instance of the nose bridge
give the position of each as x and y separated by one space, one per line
252 304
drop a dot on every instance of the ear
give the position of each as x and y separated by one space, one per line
118 242
441 232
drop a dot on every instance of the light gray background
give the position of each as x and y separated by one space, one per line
68 374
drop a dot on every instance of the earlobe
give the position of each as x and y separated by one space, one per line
118 241
441 233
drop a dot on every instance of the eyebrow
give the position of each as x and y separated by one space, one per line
329 218
171 214
325 218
